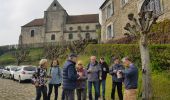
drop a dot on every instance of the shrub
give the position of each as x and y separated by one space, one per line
160 55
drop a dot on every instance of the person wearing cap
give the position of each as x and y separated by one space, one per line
116 78
70 77
105 70
93 74
39 79
81 82
130 79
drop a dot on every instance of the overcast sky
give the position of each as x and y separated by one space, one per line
15 13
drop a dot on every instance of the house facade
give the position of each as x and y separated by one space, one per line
114 15
57 25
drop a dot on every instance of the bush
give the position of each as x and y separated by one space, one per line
160 55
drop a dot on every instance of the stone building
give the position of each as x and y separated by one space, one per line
57 25
114 15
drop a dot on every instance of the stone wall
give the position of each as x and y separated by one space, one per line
38 35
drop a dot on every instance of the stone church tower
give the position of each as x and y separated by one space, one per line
58 25
55 19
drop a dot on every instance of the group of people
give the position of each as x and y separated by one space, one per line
75 76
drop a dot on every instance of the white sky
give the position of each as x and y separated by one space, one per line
15 13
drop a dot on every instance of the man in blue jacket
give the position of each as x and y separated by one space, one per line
70 77
131 79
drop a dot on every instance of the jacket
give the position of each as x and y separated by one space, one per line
93 72
131 77
115 68
104 69
56 75
69 75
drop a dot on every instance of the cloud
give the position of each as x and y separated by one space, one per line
15 13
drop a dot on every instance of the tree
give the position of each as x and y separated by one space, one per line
140 27
20 54
78 46
54 51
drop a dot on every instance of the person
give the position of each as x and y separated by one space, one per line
81 82
131 79
40 78
55 80
105 70
70 77
116 81
93 74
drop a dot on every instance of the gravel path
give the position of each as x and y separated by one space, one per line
12 90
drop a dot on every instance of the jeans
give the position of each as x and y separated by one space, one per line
81 94
50 86
63 95
103 83
69 94
96 87
39 90
119 90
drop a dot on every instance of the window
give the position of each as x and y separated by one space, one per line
87 36
71 28
87 27
109 10
156 6
70 36
110 32
53 37
55 5
97 26
32 33
79 27
124 2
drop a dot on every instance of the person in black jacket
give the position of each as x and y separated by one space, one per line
70 77
105 70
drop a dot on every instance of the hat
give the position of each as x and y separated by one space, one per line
72 55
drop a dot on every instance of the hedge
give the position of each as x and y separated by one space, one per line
159 54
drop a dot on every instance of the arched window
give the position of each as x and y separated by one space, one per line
87 27
55 5
32 33
88 36
53 37
70 36
71 28
79 27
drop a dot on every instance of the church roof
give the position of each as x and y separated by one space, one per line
76 19
35 22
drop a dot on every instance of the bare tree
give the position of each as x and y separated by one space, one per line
54 51
78 46
141 27
20 54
